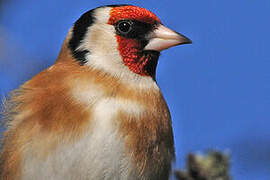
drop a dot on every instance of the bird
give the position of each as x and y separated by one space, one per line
97 113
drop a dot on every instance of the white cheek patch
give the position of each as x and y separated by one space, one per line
100 39
100 34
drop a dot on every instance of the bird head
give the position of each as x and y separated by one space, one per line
121 40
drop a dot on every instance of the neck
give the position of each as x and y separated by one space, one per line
123 73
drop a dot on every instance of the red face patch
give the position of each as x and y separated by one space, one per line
131 49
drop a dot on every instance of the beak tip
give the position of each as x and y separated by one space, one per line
187 41
184 39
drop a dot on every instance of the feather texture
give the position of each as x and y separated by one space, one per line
97 113
69 113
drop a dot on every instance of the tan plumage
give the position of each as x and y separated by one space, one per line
74 121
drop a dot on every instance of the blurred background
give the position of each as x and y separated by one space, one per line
217 89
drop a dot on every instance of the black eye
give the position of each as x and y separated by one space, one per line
124 27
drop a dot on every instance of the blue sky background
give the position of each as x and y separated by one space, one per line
217 88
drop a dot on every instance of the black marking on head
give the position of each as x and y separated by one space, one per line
79 30
80 56
117 5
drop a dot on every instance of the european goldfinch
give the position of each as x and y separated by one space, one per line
97 113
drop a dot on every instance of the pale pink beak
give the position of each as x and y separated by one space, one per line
164 38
